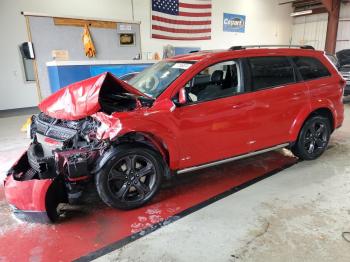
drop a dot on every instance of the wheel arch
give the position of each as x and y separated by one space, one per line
149 140
327 113
322 111
137 139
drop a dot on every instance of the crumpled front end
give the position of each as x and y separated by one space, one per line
55 167
104 93
77 125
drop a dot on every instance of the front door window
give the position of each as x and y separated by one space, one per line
216 81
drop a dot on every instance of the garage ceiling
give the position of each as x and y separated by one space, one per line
317 6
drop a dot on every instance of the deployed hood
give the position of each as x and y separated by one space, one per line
84 98
344 57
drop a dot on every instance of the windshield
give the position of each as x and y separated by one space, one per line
155 79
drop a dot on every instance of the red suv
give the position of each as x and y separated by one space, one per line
181 114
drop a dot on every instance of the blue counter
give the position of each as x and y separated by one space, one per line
63 73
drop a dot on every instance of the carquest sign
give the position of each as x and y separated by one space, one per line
234 23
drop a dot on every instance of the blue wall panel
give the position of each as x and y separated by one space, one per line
117 70
54 80
61 76
71 74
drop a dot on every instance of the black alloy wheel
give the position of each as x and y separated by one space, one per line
313 138
131 178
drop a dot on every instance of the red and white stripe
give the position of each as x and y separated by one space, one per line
192 23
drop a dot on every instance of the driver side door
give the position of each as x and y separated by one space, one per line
215 122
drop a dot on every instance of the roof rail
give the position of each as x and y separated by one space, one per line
232 48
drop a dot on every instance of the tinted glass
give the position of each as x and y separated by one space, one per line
215 81
310 68
270 71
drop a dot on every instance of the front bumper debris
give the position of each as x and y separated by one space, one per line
28 199
32 197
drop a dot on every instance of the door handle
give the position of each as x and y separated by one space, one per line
298 94
242 105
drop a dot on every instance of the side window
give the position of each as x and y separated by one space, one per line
218 80
271 71
310 68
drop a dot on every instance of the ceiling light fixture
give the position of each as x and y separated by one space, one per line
306 12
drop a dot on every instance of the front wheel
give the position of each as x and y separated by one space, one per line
313 138
131 178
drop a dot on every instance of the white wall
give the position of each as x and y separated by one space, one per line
266 23
14 92
343 37
310 30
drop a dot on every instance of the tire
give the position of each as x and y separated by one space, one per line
55 195
131 177
313 138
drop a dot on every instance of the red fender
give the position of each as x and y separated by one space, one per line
119 124
298 123
306 112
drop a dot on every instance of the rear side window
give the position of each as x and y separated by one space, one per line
271 71
310 68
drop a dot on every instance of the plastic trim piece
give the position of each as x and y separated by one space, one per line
233 48
190 169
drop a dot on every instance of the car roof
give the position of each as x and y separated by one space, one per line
207 54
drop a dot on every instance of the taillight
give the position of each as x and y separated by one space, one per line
342 82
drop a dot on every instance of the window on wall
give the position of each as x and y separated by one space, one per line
28 68
269 72
218 80
310 68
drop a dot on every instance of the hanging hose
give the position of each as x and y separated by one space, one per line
88 44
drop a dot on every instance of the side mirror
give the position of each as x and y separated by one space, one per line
180 99
182 96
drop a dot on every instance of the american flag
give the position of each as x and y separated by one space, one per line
181 19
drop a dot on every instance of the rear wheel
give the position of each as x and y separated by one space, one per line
131 178
313 138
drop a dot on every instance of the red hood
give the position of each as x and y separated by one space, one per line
81 99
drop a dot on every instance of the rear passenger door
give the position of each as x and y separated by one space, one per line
278 99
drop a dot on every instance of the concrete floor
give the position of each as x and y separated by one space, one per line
297 215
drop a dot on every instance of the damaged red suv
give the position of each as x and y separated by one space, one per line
180 115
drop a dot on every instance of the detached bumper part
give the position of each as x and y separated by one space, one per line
28 198
31 216
32 198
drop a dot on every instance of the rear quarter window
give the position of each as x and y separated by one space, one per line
310 68
267 72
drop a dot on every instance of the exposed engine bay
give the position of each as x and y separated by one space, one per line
62 148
